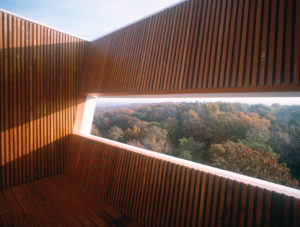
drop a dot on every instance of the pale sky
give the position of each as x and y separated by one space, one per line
87 19
265 101
286 98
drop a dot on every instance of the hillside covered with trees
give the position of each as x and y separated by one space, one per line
256 140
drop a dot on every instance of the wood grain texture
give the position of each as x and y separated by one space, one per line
40 70
156 192
201 45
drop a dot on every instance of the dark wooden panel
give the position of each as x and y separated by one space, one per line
40 70
159 192
201 46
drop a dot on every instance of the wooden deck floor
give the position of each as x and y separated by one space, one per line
56 201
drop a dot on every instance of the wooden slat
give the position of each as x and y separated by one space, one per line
295 43
6 96
156 192
2 106
32 82
201 45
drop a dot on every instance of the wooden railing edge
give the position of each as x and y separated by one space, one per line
273 187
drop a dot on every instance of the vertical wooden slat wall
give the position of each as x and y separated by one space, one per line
40 70
157 192
201 46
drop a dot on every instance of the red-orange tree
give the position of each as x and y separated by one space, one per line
240 158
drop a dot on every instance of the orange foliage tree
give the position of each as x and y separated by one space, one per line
237 157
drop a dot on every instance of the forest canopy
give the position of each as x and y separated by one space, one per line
256 140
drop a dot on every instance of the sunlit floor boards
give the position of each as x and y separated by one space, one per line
56 201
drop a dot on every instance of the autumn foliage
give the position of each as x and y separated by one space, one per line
240 158
255 140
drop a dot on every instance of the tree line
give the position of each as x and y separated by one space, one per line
256 140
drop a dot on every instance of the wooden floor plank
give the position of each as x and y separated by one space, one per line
16 209
29 209
43 205
103 209
6 216
85 198
64 200
57 201
47 193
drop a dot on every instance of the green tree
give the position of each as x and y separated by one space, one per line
191 124
190 149
94 131
156 139
116 133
